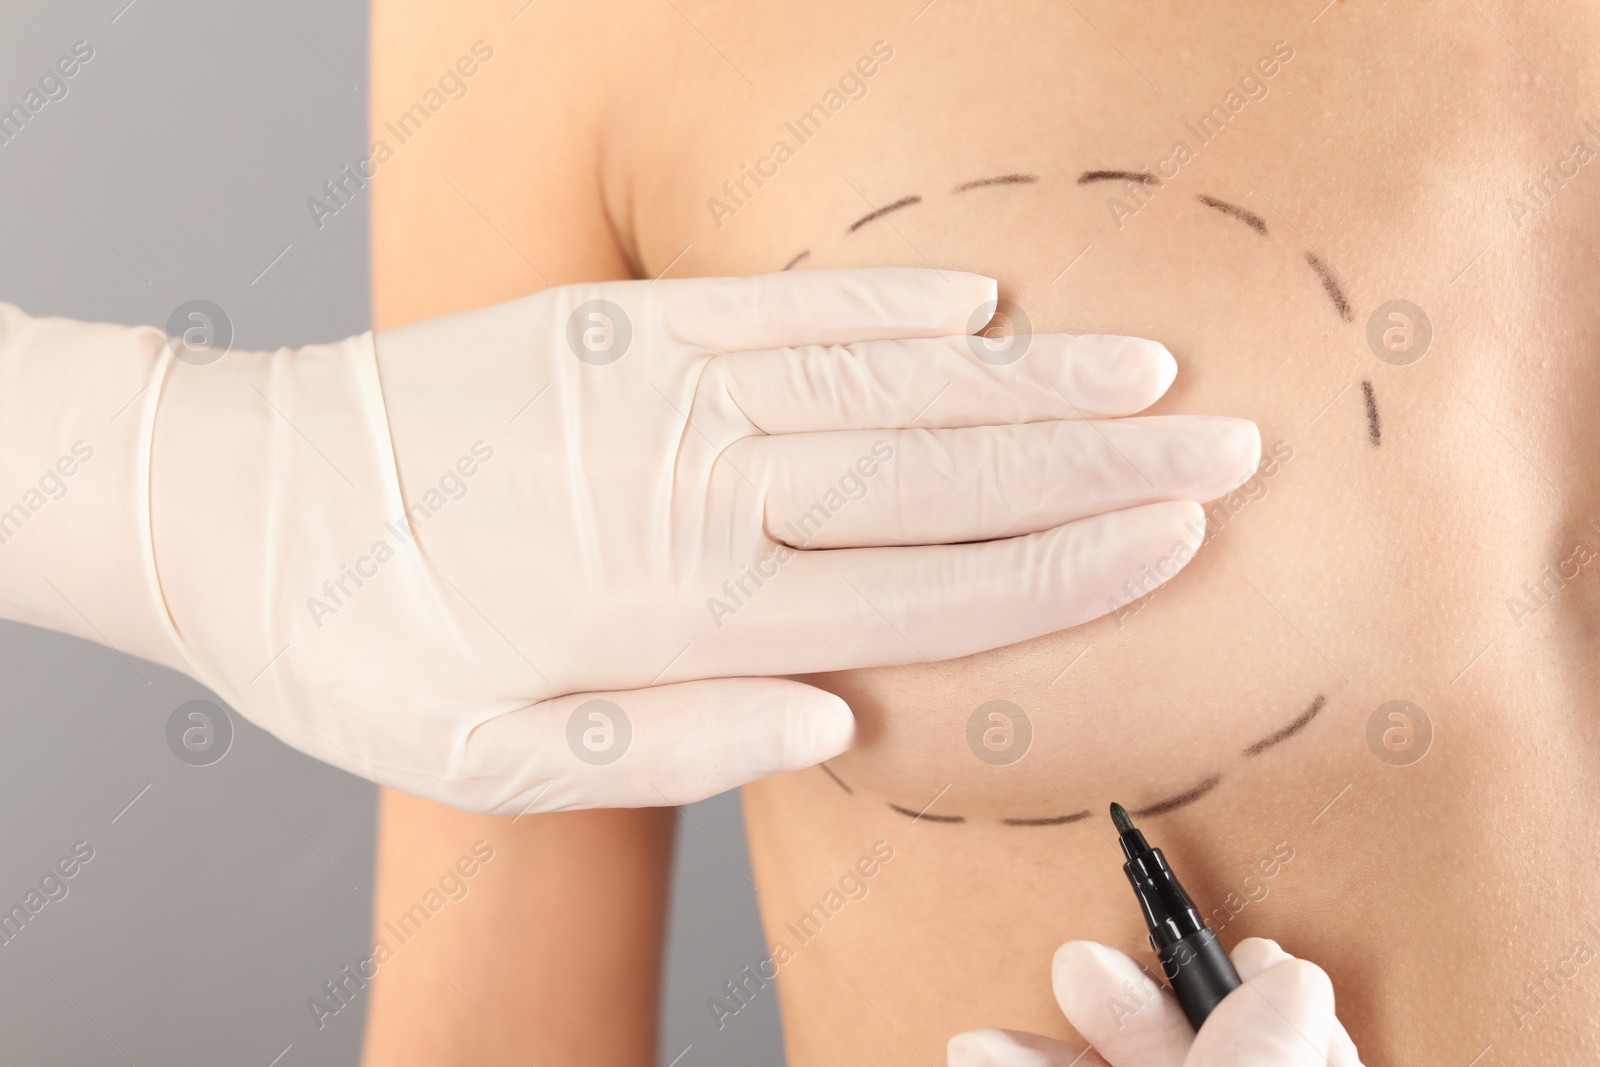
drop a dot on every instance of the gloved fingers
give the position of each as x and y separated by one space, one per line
669 744
1341 1048
1282 1017
856 488
1122 1010
941 382
818 307
865 607
992 1047
1254 955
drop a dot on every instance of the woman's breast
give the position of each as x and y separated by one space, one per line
1367 660
1296 265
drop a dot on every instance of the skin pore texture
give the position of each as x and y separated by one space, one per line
1419 531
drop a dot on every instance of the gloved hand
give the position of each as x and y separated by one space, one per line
544 555
1282 1016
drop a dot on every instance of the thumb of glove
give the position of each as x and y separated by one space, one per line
1283 1017
665 745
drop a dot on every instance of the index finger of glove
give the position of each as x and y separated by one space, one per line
820 307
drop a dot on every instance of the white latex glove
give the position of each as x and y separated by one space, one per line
573 521
1282 1016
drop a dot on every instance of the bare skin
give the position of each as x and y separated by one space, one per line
1397 550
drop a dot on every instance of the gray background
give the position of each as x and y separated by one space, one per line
220 898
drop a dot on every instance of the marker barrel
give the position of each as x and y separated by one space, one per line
1200 972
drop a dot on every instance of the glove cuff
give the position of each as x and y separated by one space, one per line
77 418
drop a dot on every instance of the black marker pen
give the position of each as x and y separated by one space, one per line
1191 957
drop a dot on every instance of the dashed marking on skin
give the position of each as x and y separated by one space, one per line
1160 807
1374 429
1179 800
1049 820
836 778
1300 723
1330 285
1142 177
903 202
925 815
1249 218
1004 179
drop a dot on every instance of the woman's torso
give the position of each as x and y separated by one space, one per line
1399 544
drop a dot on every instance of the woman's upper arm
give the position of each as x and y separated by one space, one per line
486 152
485 186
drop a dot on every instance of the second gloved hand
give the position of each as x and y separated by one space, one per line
1282 1016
